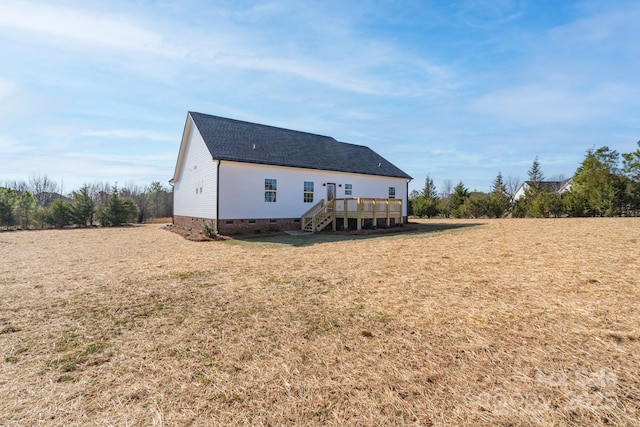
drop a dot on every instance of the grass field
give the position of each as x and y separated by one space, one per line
501 322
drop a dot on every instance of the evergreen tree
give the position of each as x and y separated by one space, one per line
429 190
631 164
8 201
155 194
474 206
596 183
545 204
426 204
535 178
499 200
118 210
520 208
574 203
631 167
59 214
460 194
83 207
535 173
529 205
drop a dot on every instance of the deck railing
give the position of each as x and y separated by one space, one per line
359 208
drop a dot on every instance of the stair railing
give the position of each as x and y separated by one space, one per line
308 216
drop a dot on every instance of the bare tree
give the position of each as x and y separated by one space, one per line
17 186
513 184
99 192
447 188
556 182
446 198
44 188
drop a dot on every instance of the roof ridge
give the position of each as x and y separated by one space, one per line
266 126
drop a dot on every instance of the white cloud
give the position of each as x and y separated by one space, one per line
612 29
372 68
489 13
411 81
81 26
330 54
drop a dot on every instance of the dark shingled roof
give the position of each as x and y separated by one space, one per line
235 140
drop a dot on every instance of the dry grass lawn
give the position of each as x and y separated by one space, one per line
503 322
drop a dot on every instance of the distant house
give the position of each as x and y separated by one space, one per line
558 187
245 177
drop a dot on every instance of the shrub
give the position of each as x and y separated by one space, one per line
209 230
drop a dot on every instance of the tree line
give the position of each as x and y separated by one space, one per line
606 183
37 203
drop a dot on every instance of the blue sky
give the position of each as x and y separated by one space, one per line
98 91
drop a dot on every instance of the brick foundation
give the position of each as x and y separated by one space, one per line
189 222
230 227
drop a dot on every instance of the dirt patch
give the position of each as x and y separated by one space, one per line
191 234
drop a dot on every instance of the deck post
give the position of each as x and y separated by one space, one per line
388 218
345 224
359 214
374 223
334 214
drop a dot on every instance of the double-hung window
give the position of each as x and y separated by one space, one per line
270 189
348 189
392 192
308 192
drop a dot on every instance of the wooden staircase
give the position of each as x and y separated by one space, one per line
318 217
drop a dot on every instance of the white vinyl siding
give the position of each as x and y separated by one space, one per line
195 190
242 189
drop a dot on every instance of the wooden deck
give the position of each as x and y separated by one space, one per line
359 208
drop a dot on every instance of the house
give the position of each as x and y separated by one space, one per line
248 177
558 187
